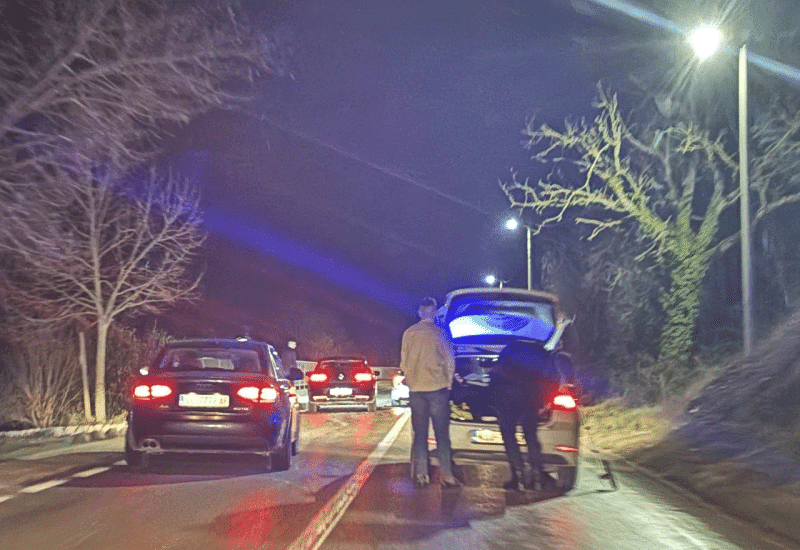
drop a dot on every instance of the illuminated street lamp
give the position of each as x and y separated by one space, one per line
705 40
512 224
492 280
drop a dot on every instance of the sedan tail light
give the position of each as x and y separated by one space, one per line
256 394
147 391
318 377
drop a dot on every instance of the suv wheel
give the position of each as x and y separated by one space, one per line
566 478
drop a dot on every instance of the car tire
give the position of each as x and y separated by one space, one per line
281 459
295 446
312 407
372 406
138 460
566 478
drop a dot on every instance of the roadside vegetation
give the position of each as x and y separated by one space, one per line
96 229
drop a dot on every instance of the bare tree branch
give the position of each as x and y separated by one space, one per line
92 245
105 79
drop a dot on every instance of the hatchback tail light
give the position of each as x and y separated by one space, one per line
363 374
363 377
318 377
258 394
564 400
147 391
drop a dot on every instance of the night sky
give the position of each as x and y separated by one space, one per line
372 172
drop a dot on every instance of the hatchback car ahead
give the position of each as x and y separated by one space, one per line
214 396
480 323
342 380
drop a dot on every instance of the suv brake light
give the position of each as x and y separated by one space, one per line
266 394
564 400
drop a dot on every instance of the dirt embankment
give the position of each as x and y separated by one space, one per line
736 444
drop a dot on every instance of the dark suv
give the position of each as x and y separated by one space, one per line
342 380
214 396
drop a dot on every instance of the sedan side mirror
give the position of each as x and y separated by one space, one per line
294 374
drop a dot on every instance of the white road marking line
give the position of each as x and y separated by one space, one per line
6 497
43 486
93 471
121 463
326 519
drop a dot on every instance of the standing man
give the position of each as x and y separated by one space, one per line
523 378
427 361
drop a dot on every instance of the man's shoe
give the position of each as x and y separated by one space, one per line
515 483
422 481
535 481
450 481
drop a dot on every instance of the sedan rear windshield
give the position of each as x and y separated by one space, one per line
212 359
337 366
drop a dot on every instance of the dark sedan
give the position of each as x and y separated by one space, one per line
214 396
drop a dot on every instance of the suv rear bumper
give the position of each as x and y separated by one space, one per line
558 437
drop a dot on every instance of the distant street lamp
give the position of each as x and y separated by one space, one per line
705 40
512 224
491 280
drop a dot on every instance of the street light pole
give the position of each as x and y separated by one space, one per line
530 256
705 40
744 208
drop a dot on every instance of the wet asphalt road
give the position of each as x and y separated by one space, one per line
233 504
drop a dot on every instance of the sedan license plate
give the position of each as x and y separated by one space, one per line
212 401
492 437
341 392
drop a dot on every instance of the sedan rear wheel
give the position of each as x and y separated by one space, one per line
281 459
312 407
372 406
135 459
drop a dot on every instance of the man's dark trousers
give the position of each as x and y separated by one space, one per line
434 407
515 405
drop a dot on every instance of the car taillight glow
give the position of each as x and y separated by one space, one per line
566 448
363 377
318 377
267 394
564 401
151 391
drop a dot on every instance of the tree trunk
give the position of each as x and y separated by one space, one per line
682 306
100 371
87 404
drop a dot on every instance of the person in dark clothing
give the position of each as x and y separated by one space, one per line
520 385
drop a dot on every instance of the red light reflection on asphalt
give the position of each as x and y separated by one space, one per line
362 430
251 522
